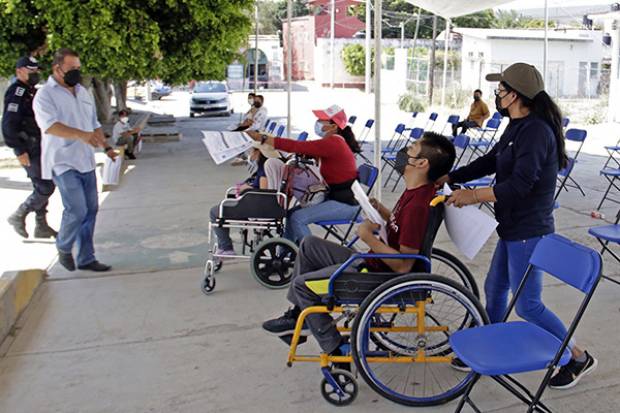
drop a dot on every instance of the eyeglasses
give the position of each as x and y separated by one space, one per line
498 91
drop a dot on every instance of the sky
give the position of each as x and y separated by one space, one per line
532 4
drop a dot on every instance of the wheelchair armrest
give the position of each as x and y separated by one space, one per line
352 258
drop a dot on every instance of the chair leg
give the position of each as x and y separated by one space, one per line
606 193
540 391
465 398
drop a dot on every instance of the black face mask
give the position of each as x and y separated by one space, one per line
33 78
72 77
402 160
476 98
258 104
502 111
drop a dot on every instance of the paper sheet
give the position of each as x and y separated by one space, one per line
223 146
369 211
469 228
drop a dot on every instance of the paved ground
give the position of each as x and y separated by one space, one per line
145 339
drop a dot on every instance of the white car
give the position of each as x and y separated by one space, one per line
210 98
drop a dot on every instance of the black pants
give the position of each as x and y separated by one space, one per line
240 129
465 124
42 190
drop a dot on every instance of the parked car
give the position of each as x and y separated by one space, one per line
159 91
210 97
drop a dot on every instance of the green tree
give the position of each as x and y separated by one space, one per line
354 59
271 15
512 19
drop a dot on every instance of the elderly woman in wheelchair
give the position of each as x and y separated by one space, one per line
394 317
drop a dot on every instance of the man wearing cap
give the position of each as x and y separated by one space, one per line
525 161
65 112
22 134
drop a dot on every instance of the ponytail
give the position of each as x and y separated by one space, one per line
349 137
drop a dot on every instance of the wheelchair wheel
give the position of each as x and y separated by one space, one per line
272 262
347 384
447 265
422 310
208 283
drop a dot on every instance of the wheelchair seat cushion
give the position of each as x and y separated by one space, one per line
257 204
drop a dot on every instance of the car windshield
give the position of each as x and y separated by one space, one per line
210 88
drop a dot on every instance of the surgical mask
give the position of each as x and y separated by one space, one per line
258 104
124 119
476 98
251 102
498 106
402 160
33 78
318 129
72 77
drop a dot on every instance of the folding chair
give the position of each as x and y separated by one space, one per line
363 138
352 120
614 155
460 142
302 136
415 134
613 177
486 140
271 127
452 121
430 123
511 347
565 122
366 176
606 234
414 116
481 183
565 180
280 131
393 145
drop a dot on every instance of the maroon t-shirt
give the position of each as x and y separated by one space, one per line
407 223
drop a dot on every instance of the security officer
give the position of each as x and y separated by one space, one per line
23 135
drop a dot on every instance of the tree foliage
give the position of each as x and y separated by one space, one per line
271 14
511 19
354 59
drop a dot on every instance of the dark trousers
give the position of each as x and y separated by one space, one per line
465 124
317 259
39 198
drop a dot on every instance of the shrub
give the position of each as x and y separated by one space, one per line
354 59
410 103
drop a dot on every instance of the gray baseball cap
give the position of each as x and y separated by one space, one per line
523 78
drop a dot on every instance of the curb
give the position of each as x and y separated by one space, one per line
16 291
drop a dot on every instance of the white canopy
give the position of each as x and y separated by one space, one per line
451 8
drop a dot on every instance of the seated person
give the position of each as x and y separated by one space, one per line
421 164
247 120
259 154
478 113
337 166
124 134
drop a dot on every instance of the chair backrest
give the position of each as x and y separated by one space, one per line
352 119
433 116
416 133
565 122
302 136
461 141
271 127
497 115
280 131
400 128
493 123
572 263
414 114
570 164
576 135
435 218
266 124
369 123
453 119
367 175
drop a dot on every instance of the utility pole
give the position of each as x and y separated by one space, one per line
431 75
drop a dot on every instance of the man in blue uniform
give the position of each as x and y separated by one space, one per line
22 134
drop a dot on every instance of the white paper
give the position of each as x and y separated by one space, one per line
111 173
139 147
224 146
469 228
369 211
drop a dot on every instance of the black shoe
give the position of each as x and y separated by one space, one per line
457 364
288 339
131 156
42 229
569 375
66 260
285 324
18 221
95 266
343 349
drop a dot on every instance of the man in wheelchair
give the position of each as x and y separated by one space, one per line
420 164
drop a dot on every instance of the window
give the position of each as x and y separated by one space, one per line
593 70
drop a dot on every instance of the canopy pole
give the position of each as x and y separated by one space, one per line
415 41
431 75
378 12
256 47
332 36
445 63
367 68
546 45
289 64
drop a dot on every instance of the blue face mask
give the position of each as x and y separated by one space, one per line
318 129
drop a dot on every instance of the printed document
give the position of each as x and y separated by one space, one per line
369 211
224 146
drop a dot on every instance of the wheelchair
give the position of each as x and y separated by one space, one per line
271 256
398 326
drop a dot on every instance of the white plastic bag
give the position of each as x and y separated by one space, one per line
111 173
139 147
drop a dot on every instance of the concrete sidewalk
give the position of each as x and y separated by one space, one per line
145 339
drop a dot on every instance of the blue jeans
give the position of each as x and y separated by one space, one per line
510 261
297 225
79 198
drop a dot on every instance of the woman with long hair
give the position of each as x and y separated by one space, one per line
526 161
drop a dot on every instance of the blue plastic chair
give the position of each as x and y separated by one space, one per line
452 121
302 136
390 157
605 235
430 123
486 140
352 120
501 349
565 180
363 138
366 176
271 127
565 122
280 131
460 142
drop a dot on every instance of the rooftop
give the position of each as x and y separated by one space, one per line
527 34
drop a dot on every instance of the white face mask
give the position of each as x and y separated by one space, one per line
251 102
124 119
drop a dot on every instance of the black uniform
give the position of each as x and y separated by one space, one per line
23 135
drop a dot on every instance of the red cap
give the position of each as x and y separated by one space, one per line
334 113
